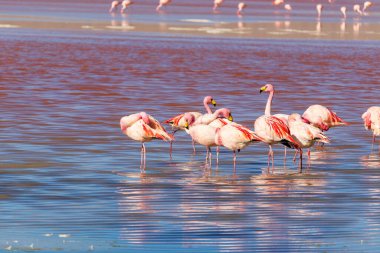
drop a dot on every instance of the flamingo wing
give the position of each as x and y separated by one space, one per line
281 131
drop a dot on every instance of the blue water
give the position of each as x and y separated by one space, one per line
71 182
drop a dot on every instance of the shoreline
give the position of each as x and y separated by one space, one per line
318 30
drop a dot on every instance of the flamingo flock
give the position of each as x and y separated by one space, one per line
357 8
217 129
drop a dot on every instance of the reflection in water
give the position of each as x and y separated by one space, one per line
370 161
318 28
343 27
356 27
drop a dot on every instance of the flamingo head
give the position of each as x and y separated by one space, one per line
268 88
144 116
224 113
209 100
189 119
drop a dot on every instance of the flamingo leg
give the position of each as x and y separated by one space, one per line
234 162
193 146
308 157
295 155
217 155
142 158
210 156
284 155
300 164
270 155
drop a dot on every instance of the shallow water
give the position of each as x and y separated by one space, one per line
70 181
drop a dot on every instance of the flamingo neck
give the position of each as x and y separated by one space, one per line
269 104
207 107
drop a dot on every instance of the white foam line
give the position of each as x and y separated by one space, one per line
8 26
197 20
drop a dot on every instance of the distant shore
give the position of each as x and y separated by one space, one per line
202 27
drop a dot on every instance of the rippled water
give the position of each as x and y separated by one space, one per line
70 181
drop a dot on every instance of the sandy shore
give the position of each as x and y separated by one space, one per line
353 30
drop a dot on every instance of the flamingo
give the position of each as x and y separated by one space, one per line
143 128
371 120
277 2
235 137
288 7
319 8
343 10
241 7
356 8
322 117
125 4
366 5
271 129
305 135
178 122
114 5
202 132
217 4
162 3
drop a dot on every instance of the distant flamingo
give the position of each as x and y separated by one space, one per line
343 10
125 4
202 132
366 5
322 117
288 7
305 135
241 7
217 4
114 5
319 8
143 128
371 120
356 9
178 122
271 129
277 2
235 137
162 3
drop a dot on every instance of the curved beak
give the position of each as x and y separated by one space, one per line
230 118
213 102
262 89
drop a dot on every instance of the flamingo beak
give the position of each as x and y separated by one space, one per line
263 89
187 125
230 118
213 102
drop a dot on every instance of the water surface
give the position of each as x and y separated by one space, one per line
70 181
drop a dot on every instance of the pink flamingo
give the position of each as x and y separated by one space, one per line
235 137
143 128
202 132
125 4
322 117
366 5
271 129
217 4
319 8
343 10
288 7
241 7
305 135
371 120
356 9
162 3
178 122
277 2
114 5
